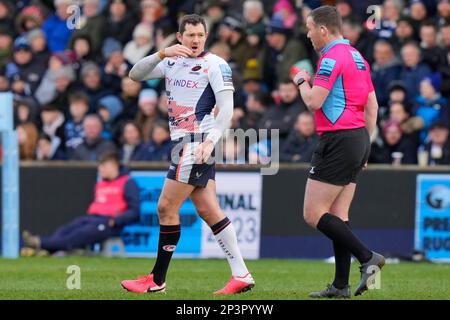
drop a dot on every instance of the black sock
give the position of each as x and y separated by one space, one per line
219 226
336 229
168 239
343 258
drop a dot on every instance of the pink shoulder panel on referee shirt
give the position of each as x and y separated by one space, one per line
344 72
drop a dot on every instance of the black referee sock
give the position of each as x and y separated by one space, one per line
168 240
343 258
336 229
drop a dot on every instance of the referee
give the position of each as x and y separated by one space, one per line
345 107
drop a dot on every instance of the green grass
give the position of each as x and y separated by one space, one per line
45 278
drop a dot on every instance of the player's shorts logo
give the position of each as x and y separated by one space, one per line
169 248
312 170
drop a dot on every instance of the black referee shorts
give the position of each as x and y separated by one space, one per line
340 156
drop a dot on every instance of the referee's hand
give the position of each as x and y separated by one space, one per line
302 74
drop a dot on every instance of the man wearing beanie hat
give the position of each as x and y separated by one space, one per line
25 71
283 51
431 106
231 32
197 83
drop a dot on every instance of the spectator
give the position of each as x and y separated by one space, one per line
443 12
432 54
24 72
438 146
109 109
55 87
391 14
26 109
410 126
131 142
165 36
283 116
397 92
29 18
255 25
430 105
93 145
445 72
148 112
92 22
92 84
413 70
282 50
53 124
345 9
141 45
27 136
214 12
7 11
81 45
116 204
418 12
158 148
445 35
359 39
231 32
152 13
130 95
116 67
120 21
301 141
73 129
385 69
55 26
48 150
393 148
404 33
38 44
256 106
6 42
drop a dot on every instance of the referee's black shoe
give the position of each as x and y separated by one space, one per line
368 270
332 292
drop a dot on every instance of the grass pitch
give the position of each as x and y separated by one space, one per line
45 278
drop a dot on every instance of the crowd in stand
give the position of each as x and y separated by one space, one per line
67 63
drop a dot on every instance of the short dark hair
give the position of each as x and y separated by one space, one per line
109 156
193 19
329 17
79 96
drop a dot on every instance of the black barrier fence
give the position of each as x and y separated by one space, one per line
382 214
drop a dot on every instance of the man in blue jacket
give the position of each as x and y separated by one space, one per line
116 204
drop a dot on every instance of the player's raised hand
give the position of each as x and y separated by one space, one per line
177 50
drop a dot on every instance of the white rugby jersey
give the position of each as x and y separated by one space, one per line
190 86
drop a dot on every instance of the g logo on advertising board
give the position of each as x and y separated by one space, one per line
432 234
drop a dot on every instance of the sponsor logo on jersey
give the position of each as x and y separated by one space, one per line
226 75
190 84
170 248
196 68
170 63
